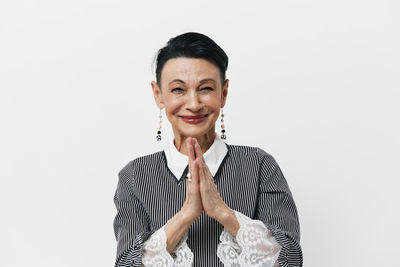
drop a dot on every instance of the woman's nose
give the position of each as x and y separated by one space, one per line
193 101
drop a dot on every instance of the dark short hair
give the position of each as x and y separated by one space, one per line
192 45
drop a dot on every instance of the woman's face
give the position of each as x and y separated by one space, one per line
192 94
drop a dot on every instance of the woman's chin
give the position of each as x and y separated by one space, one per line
194 131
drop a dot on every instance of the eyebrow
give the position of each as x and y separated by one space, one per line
202 81
207 80
176 80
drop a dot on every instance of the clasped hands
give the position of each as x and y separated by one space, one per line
201 195
201 191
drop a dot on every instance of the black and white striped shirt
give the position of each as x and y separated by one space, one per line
249 181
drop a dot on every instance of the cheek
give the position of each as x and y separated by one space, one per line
213 102
213 107
171 104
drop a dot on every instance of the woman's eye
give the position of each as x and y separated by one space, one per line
177 89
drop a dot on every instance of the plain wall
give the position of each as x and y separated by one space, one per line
314 83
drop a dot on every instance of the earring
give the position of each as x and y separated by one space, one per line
158 137
223 136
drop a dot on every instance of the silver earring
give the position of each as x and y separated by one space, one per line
223 136
158 137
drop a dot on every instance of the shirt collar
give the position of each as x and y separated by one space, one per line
177 161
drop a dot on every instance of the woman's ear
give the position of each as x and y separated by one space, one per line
157 94
224 93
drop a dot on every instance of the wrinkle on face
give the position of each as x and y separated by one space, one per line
189 70
184 92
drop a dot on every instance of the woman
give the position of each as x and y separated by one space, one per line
200 201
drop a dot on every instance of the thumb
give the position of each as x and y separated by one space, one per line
187 189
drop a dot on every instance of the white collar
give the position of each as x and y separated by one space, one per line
177 161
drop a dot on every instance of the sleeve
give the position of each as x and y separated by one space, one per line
155 251
131 224
254 244
276 208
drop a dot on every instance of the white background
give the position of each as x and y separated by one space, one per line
314 83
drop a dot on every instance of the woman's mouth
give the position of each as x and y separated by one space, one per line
194 119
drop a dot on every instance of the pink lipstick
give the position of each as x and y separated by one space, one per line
194 119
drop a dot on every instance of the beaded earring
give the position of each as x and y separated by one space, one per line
158 137
223 136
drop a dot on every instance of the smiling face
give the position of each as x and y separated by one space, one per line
192 94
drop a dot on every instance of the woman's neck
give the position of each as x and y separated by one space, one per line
205 141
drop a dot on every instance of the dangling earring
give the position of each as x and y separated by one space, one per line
158 137
223 136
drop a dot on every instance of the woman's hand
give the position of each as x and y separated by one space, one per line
202 193
193 206
212 202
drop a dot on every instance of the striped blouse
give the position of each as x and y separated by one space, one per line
151 190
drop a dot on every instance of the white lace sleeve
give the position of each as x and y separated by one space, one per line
254 245
155 251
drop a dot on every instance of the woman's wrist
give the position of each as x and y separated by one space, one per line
175 229
188 214
228 219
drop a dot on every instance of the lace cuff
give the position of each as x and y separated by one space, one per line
155 251
254 245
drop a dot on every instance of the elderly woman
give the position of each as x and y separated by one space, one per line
200 201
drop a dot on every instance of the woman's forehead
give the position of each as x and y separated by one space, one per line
189 69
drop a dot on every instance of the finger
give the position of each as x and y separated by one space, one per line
189 147
203 178
191 184
187 189
199 153
195 172
204 172
193 143
201 170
